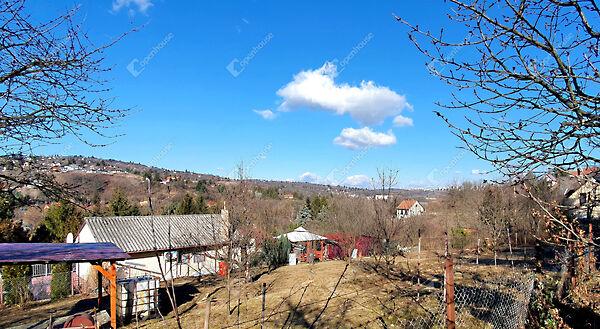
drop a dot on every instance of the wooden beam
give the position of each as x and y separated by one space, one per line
99 278
113 295
111 275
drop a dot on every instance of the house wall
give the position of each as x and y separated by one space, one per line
580 210
185 263
415 210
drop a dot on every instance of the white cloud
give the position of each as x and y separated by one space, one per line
266 114
357 181
367 103
364 137
142 5
309 177
402 121
476 172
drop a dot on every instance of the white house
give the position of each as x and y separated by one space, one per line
409 208
582 193
183 245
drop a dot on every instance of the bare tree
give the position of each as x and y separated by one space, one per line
52 87
385 225
525 74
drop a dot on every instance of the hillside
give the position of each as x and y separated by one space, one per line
96 180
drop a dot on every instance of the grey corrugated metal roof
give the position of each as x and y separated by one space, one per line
135 233
301 234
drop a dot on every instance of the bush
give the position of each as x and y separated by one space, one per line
15 279
275 252
60 287
460 238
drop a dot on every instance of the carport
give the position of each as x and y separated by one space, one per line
50 253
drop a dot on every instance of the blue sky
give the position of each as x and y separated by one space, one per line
312 90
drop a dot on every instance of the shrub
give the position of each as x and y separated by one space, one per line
460 238
60 286
275 252
16 280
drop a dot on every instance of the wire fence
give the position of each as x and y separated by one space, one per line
20 289
484 296
412 293
479 303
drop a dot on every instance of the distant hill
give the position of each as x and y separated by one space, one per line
96 179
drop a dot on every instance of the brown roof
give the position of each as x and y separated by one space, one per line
406 204
585 171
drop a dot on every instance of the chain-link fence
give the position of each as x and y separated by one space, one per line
20 289
479 303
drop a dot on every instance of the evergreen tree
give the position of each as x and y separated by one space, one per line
201 186
186 206
60 219
120 206
10 230
303 215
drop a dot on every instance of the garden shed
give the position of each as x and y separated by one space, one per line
308 246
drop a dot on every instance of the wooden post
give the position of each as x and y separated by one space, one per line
478 250
113 294
99 276
419 266
207 313
262 314
238 307
51 321
591 254
111 275
449 288
510 247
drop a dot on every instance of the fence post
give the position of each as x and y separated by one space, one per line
262 312
207 314
591 254
449 289
419 266
478 250
512 264
238 307
51 321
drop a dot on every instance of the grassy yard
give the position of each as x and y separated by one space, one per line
366 296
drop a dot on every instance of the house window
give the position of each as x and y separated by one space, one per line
183 258
583 199
38 270
199 258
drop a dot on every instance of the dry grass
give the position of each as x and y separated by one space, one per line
366 296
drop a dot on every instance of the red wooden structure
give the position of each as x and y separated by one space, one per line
311 246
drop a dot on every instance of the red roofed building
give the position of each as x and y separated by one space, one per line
409 208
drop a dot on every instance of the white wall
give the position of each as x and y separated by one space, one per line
149 264
415 210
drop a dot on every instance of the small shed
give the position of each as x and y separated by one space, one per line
308 246
50 253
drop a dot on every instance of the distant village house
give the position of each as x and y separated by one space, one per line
408 208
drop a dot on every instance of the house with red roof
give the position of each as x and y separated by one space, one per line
408 208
